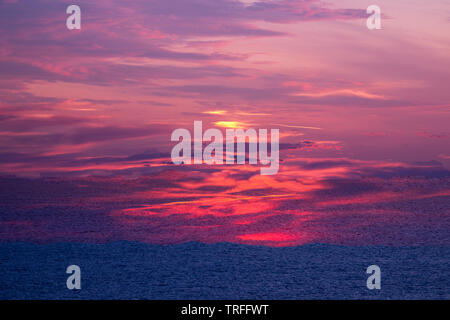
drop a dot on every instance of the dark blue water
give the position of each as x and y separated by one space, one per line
127 270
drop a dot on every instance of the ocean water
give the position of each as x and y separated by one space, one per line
130 270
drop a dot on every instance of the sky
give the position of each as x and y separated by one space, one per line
86 118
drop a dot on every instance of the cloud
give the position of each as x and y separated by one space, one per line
246 93
24 124
77 136
13 102
77 105
344 100
230 204
147 30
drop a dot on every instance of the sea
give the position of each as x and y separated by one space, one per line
196 271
